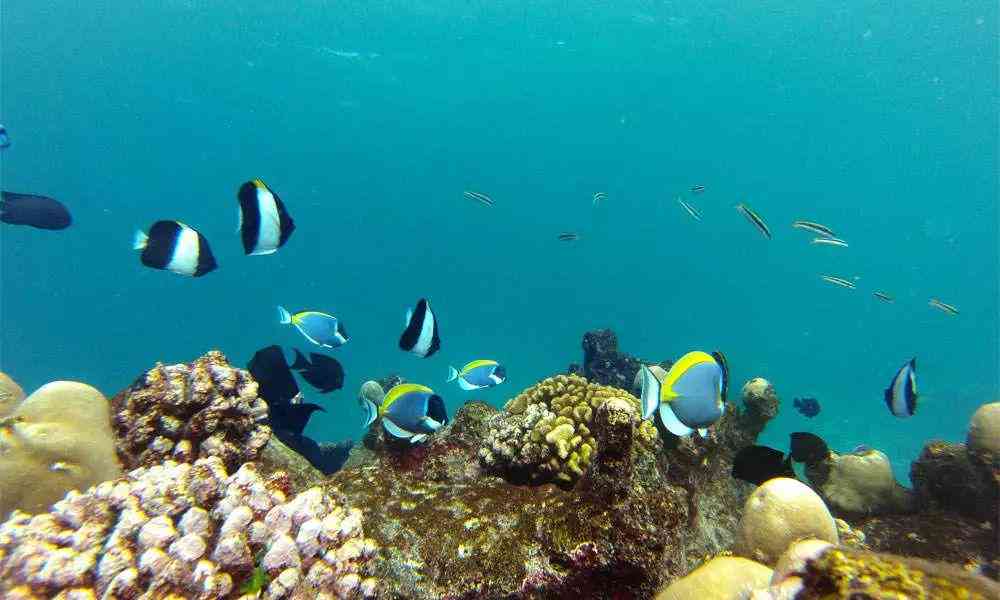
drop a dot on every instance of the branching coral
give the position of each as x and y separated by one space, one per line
179 530
189 411
544 433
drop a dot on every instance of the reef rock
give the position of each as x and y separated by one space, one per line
633 518
188 411
722 578
605 364
983 440
179 530
10 393
782 511
55 440
860 483
947 477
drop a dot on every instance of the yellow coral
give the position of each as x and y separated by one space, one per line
884 576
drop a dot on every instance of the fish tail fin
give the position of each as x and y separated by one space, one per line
284 317
452 373
139 240
650 392
300 361
371 412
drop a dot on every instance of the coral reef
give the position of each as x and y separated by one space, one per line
722 578
179 530
10 393
605 364
759 395
947 477
544 433
55 440
780 512
276 456
188 411
859 483
983 439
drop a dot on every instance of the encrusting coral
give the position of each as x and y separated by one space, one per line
55 440
779 512
544 433
188 411
860 483
179 530
722 578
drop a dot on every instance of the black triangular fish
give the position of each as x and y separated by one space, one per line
757 464
270 369
293 417
808 448
322 372
421 334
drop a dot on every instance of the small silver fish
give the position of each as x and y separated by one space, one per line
816 228
839 281
697 189
948 308
479 197
830 241
754 219
884 297
690 209
599 197
569 236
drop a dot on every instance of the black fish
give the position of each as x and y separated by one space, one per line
421 334
757 464
322 372
808 407
36 211
292 418
274 379
808 448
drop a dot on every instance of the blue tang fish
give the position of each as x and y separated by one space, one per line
690 397
478 374
901 395
317 327
409 411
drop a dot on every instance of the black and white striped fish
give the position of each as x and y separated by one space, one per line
754 219
421 335
829 241
173 246
568 236
935 303
265 225
847 283
901 395
883 296
479 197
816 228
697 189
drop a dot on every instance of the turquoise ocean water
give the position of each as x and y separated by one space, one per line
371 118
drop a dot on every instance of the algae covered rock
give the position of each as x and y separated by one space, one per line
760 398
860 483
947 477
55 440
782 511
722 578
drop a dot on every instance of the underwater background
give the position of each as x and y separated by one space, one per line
370 119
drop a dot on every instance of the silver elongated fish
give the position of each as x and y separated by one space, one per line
568 236
816 228
690 209
829 241
697 189
947 308
599 197
479 197
883 296
839 281
754 219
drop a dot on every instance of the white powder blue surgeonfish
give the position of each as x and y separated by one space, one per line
690 397
317 327
478 374
421 334
265 225
409 411
901 395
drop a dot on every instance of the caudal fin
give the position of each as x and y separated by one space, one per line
139 240
452 374
283 316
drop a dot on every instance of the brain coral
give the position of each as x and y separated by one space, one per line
190 411
180 530
544 433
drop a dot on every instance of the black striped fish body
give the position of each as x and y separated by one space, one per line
754 219
265 224
421 336
176 247
901 395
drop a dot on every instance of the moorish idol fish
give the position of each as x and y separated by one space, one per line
265 225
317 327
41 212
421 335
901 395
478 374
173 246
690 396
409 411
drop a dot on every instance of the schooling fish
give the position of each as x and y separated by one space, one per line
935 303
478 374
808 448
479 197
816 228
265 225
754 219
829 241
901 395
4 138
173 246
807 407
35 211
884 297
409 411
322 372
690 396
697 189
690 209
847 283
421 335
757 464
568 236
317 327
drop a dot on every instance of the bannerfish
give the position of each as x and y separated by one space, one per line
846 283
317 327
690 396
409 411
4 138
322 372
173 246
901 395
421 335
807 407
821 230
479 197
754 219
568 236
35 211
808 448
599 197
478 374
829 241
690 209
697 189
265 225
757 464
947 308
883 297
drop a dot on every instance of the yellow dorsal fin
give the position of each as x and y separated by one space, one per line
478 363
399 391
678 369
